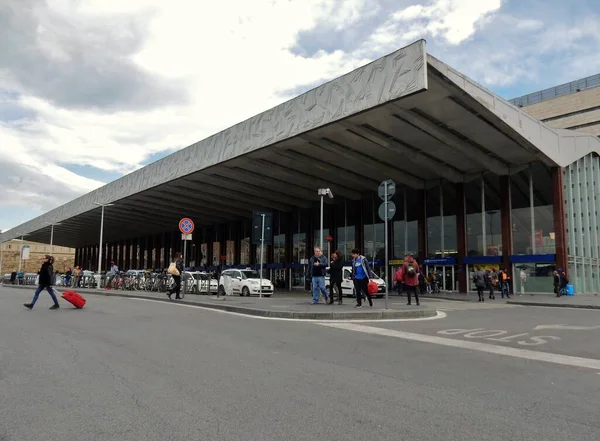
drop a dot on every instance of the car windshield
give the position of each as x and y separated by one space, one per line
250 274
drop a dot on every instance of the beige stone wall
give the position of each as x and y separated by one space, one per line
562 105
11 251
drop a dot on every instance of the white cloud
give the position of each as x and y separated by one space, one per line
114 82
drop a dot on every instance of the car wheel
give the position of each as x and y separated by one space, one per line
245 291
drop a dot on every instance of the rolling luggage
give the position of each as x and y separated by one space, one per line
74 299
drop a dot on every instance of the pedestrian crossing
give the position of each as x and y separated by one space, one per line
467 306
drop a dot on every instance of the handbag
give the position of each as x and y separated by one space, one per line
173 269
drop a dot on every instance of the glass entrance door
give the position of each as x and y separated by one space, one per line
445 276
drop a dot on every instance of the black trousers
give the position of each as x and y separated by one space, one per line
411 290
480 292
333 285
177 287
362 286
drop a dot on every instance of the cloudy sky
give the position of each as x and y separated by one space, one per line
94 89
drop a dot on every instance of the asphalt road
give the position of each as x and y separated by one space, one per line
125 369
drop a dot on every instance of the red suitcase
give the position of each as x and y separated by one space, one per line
73 298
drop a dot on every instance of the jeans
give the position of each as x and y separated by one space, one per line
39 290
333 286
361 286
318 284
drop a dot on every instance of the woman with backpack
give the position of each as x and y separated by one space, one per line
409 277
46 280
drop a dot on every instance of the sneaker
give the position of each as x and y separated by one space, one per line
28 305
55 306
358 306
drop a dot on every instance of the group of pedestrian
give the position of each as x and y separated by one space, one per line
492 281
319 266
560 282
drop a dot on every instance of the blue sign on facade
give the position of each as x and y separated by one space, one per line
441 261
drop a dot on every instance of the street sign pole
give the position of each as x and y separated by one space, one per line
387 210
262 254
387 275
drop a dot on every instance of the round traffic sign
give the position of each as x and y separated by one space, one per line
186 225
391 210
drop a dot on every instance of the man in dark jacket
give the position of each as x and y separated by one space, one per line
335 276
46 280
361 274
317 267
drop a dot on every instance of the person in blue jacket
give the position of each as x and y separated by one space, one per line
360 276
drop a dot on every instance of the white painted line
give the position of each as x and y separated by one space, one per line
547 357
566 327
439 315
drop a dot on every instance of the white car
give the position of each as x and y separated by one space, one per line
204 283
348 284
244 282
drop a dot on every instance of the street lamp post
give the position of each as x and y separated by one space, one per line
52 235
323 192
101 235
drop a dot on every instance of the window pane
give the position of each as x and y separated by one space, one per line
520 213
449 220
473 208
543 211
493 225
434 222
399 225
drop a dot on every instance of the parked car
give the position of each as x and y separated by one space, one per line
244 282
348 284
203 283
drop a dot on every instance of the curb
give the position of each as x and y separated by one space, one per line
555 305
367 315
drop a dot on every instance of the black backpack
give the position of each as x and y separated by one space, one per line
410 269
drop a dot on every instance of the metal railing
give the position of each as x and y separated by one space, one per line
555 92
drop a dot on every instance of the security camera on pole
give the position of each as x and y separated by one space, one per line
262 234
323 192
387 210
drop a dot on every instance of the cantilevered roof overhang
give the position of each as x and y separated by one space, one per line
406 116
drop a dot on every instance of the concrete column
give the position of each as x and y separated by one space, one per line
461 236
506 225
558 210
134 260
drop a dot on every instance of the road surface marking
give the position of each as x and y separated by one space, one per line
501 336
567 327
547 357
439 315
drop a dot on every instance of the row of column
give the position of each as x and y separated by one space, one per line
138 253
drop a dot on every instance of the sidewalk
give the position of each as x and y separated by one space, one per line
584 301
282 306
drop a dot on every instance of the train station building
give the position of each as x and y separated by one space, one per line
479 182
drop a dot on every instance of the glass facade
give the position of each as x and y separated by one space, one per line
581 182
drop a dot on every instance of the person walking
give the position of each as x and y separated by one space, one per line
492 280
317 267
335 276
479 281
360 276
46 280
556 283
409 277
176 270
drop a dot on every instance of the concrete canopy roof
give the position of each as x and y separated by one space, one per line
406 116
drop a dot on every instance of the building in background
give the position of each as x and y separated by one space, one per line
11 251
573 106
